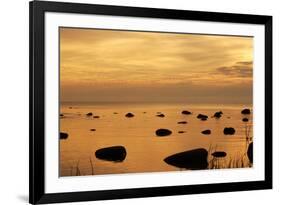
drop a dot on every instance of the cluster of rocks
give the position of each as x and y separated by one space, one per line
202 117
166 132
191 159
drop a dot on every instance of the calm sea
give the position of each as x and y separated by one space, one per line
145 151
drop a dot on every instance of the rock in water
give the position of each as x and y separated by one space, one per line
192 159
180 132
250 152
219 154
185 112
96 117
129 115
160 115
206 132
182 122
163 132
218 114
229 131
202 117
246 111
63 135
89 114
245 119
93 130
115 153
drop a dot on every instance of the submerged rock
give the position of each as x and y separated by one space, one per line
250 152
219 154
160 115
180 132
246 111
245 119
185 112
218 114
206 132
202 117
192 159
93 130
182 122
129 115
114 153
163 132
63 135
229 131
89 114
96 116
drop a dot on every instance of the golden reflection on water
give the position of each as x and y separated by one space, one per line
145 151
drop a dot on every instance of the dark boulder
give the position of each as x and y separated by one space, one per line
163 132
115 113
206 132
185 112
89 114
96 117
180 132
93 130
192 159
218 114
246 111
160 115
63 135
245 119
219 154
250 152
229 131
202 117
129 115
182 122
115 153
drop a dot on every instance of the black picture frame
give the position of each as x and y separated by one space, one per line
37 11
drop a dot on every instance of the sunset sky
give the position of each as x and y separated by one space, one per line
126 66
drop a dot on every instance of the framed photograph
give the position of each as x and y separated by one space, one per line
141 102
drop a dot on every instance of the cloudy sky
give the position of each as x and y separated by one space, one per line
125 66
